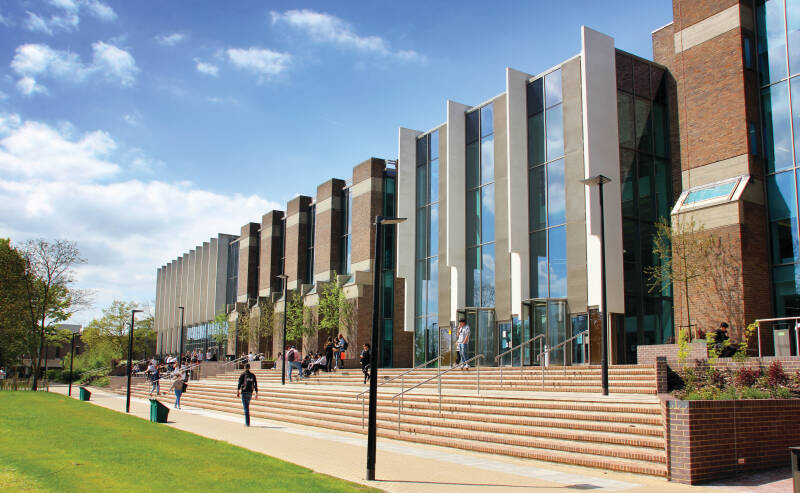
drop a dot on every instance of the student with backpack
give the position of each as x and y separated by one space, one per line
341 348
247 386
293 359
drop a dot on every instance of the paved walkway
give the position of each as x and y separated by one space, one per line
402 466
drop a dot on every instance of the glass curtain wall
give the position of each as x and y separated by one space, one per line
201 338
426 295
547 214
480 208
312 219
645 172
387 267
233 273
778 48
346 245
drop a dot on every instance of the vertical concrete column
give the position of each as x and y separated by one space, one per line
502 261
456 206
191 291
444 271
329 228
270 253
248 262
218 273
367 195
297 240
202 309
406 207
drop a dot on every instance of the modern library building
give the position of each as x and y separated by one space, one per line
503 222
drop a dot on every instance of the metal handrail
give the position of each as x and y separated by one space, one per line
549 350
439 375
521 359
239 360
402 382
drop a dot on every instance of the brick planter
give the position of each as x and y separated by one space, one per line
709 440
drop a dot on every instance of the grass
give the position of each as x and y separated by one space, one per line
51 443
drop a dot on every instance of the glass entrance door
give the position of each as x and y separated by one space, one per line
547 317
483 337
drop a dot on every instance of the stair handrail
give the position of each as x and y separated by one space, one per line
402 382
477 358
518 346
239 360
548 350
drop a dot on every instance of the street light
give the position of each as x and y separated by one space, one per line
130 356
374 359
600 180
283 347
71 359
180 346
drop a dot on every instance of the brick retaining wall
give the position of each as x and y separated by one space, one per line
709 440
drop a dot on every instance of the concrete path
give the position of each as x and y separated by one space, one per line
401 466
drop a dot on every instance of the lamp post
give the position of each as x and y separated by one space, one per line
180 344
71 359
130 356
285 279
600 180
375 350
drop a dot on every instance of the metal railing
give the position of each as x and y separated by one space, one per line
402 382
237 361
439 376
521 359
547 351
781 319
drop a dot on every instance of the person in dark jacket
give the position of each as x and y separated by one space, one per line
247 387
328 354
365 359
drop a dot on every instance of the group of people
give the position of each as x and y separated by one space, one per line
157 370
331 358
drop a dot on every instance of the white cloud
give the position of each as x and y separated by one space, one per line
134 118
33 61
206 68
126 228
263 62
170 39
327 28
3 96
100 10
225 100
67 16
5 20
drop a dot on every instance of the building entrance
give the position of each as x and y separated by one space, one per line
484 334
550 318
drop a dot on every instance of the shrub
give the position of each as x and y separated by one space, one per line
754 393
782 393
776 376
747 377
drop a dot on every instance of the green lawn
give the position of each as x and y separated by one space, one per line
51 443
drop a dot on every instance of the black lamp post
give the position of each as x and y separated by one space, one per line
285 279
180 345
130 356
71 359
600 180
375 350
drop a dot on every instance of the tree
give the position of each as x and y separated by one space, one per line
298 319
13 322
108 335
250 328
49 295
334 311
220 335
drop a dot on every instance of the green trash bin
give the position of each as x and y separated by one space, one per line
85 394
158 412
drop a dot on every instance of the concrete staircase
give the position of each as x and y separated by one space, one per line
564 423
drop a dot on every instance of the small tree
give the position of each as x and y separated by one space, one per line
333 310
220 335
297 318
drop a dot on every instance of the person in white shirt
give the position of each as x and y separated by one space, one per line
463 342
208 355
251 356
2 374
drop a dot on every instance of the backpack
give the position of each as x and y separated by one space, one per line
344 344
290 356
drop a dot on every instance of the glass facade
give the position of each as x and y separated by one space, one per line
645 172
387 267
346 245
201 338
426 287
778 48
480 279
233 273
312 225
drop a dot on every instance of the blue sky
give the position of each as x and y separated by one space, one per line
139 129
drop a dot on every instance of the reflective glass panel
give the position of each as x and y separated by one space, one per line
422 149
473 220
796 116
433 238
433 286
473 165
434 181
777 131
793 24
487 213
419 289
783 217
487 124
487 160
539 264
487 275
771 41
538 198
556 199
536 97
644 136
387 289
555 133
786 280
557 250
628 176
625 113
434 147
473 276
556 330
473 126
422 185
660 130
662 182
536 140
422 233
552 88
708 193
419 341
646 207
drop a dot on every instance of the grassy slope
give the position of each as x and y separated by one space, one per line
51 443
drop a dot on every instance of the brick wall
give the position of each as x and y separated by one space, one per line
328 228
646 355
248 262
297 221
709 440
270 253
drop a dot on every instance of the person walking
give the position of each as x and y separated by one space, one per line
178 386
294 361
365 361
329 354
247 387
463 342
152 372
341 348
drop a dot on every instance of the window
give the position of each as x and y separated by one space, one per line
546 193
480 207
233 272
312 219
709 193
346 245
282 242
387 266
